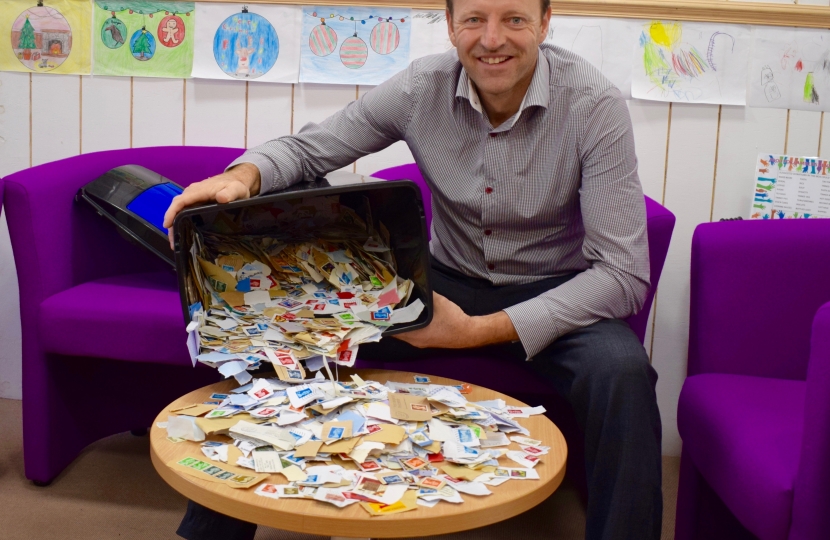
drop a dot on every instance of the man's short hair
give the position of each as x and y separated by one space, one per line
545 6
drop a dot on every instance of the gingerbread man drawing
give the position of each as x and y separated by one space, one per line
244 54
170 29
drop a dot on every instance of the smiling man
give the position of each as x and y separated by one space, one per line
538 235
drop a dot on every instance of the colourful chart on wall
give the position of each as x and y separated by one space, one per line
691 62
791 187
251 43
48 36
354 45
143 39
790 69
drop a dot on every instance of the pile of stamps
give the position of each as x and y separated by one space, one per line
314 287
389 447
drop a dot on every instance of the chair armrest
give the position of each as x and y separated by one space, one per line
755 286
812 485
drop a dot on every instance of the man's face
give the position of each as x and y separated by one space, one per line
498 41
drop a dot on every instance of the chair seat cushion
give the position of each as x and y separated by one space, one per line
744 435
134 317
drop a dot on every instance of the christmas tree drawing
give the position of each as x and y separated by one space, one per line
27 36
142 45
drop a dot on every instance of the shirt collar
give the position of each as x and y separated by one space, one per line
537 95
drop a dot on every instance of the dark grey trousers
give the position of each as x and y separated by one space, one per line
602 370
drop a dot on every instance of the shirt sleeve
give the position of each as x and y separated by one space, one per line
616 245
370 124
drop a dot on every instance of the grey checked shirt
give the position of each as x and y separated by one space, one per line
551 191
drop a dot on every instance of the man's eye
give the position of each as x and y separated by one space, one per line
516 20
473 20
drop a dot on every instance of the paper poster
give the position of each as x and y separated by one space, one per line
691 62
791 187
429 33
354 45
790 68
52 38
254 42
603 42
143 38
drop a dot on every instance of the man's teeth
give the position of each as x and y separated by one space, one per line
495 60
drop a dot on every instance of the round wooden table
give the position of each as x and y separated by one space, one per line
313 517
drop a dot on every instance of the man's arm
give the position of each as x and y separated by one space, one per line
615 245
373 122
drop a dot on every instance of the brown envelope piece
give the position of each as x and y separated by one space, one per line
329 426
457 471
341 447
194 410
409 407
308 449
388 434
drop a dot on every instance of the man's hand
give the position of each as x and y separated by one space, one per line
240 182
451 328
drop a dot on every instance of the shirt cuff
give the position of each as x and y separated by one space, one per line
267 182
534 324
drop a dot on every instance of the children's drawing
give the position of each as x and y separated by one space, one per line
143 38
252 43
41 38
372 45
691 62
791 187
246 45
598 41
49 37
794 69
429 33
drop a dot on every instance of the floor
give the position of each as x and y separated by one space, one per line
112 491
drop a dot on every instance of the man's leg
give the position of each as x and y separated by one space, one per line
604 372
201 523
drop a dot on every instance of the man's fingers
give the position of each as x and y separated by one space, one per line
231 192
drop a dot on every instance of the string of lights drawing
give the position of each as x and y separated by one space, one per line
142 44
246 45
41 38
384 38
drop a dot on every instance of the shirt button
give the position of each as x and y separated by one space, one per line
488 190
487 232
494 134
491 266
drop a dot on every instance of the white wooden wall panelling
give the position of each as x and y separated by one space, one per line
215 113
157 112
744 133
269 112
824 135
802 133
396 154
56 117
650 120
14 122
689 178
105 122
316 102
14 156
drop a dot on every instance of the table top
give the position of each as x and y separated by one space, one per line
313 517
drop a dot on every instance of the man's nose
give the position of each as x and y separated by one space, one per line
493 37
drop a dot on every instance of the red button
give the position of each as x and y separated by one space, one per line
488 190
487 232
494 134
491 266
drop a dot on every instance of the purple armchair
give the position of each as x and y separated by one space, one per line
513 380
754 412
103 337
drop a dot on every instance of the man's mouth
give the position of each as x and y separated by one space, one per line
494 59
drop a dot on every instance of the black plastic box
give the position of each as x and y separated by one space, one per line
397 204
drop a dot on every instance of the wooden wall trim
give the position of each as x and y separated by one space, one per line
805 16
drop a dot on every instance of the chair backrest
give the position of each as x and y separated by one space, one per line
660 224
58 244
755 287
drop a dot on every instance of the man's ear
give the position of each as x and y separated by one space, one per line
545 25
450 27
